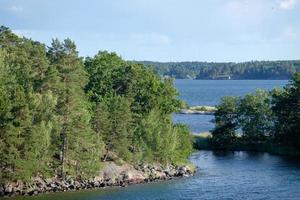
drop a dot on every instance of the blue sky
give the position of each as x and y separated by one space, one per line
164 30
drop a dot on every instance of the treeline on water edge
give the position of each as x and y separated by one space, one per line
210 70
61 114
262 121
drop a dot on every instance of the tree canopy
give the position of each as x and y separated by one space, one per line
63 115
261 116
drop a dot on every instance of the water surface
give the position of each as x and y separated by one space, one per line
231 175
209 92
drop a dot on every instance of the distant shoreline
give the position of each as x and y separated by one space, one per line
198 110
257 70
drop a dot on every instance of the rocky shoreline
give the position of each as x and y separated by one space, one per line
111 175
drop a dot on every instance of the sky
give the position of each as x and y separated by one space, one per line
164 30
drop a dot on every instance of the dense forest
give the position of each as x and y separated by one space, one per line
210 70
61 114
261 117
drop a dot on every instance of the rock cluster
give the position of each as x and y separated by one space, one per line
110 175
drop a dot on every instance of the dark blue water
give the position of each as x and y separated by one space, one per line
232 176
209 92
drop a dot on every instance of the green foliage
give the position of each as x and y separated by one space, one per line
185 146
109 74
286 106
133 105
226 118
106 75
202 141
160 141
113 120
256 116
24 128
262 117
78 146
60 114
251 114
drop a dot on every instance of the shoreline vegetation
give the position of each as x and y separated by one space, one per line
64 117
264 121
205 142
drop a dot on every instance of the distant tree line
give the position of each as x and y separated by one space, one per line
61 114
211 70
272 117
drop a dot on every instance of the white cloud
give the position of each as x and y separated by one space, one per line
287 4
15 8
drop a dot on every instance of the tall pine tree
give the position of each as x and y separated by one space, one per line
79 147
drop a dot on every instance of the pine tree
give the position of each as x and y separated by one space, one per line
9 137
23 69
79 145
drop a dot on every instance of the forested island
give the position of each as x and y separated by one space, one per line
64 119
228 70
266 121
